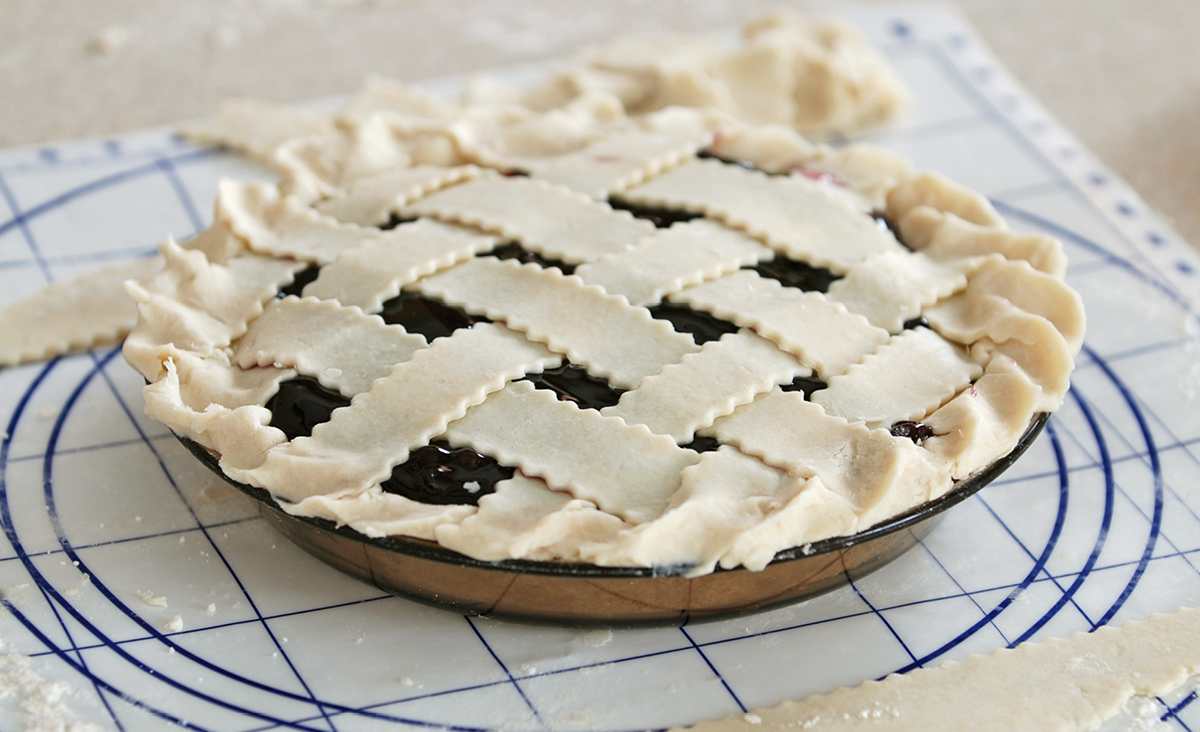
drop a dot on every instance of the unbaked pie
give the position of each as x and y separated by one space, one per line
685 341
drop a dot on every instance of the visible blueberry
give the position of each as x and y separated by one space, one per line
800 275
660 217
703 444
301 404
572 383
300 281
806 385
427 316
918 432
702 326
440 474
515 251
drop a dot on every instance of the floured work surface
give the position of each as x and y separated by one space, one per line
1093 525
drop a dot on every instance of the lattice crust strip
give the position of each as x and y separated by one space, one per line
550 220
686 254
822 333
601 332
891 288
282 226
723 496
375 270
790 213
372 199
199 306
689 395
619 161
524 519
343 348
911 375
873 471
624 469
360 444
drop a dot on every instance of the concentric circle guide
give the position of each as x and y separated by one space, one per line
105 517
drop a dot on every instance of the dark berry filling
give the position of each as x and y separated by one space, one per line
791 273
699 324
703 444
431 318
806 385
395 220
572 383
710 155
524 256
301 404
660 217
301 280
440 474
917 322
918 432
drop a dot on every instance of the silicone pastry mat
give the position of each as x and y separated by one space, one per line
1098 523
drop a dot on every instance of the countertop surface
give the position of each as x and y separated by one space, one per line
1124 77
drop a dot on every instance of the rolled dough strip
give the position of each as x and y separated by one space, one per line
1060 685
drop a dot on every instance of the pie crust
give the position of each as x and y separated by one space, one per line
964 332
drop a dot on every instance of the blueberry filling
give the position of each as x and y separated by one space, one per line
572 383
301 404
805 385
431 318
918 432
440 474
700 325
791 273
702 444
435 473
524 256
660 217
917 322
395 220
710 155
300 281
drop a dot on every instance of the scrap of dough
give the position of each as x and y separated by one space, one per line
1060 685
72 315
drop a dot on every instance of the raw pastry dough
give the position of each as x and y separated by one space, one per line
1059 685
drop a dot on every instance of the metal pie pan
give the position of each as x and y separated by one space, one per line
585 594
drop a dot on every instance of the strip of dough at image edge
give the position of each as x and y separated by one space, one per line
1062 684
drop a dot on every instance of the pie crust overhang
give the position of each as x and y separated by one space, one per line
965 329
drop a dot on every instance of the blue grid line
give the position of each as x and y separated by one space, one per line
140 537
1172 713
875 611
181 192
20 221
504 667
10 532
959 76
85 449
112 255
89 159
220 555
991 620
708 662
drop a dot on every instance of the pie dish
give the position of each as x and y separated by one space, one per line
671 342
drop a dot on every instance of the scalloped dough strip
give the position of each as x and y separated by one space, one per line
721 496
602 332
375 270
618 161
875 472
72 315
911 375
943 235
822 333
724 374
986 420
340 346
890 288
1061 684
282 226
377 513
792 214
255 127
624 469
372 199
685 254
354 451
524 519
550 220
196 305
